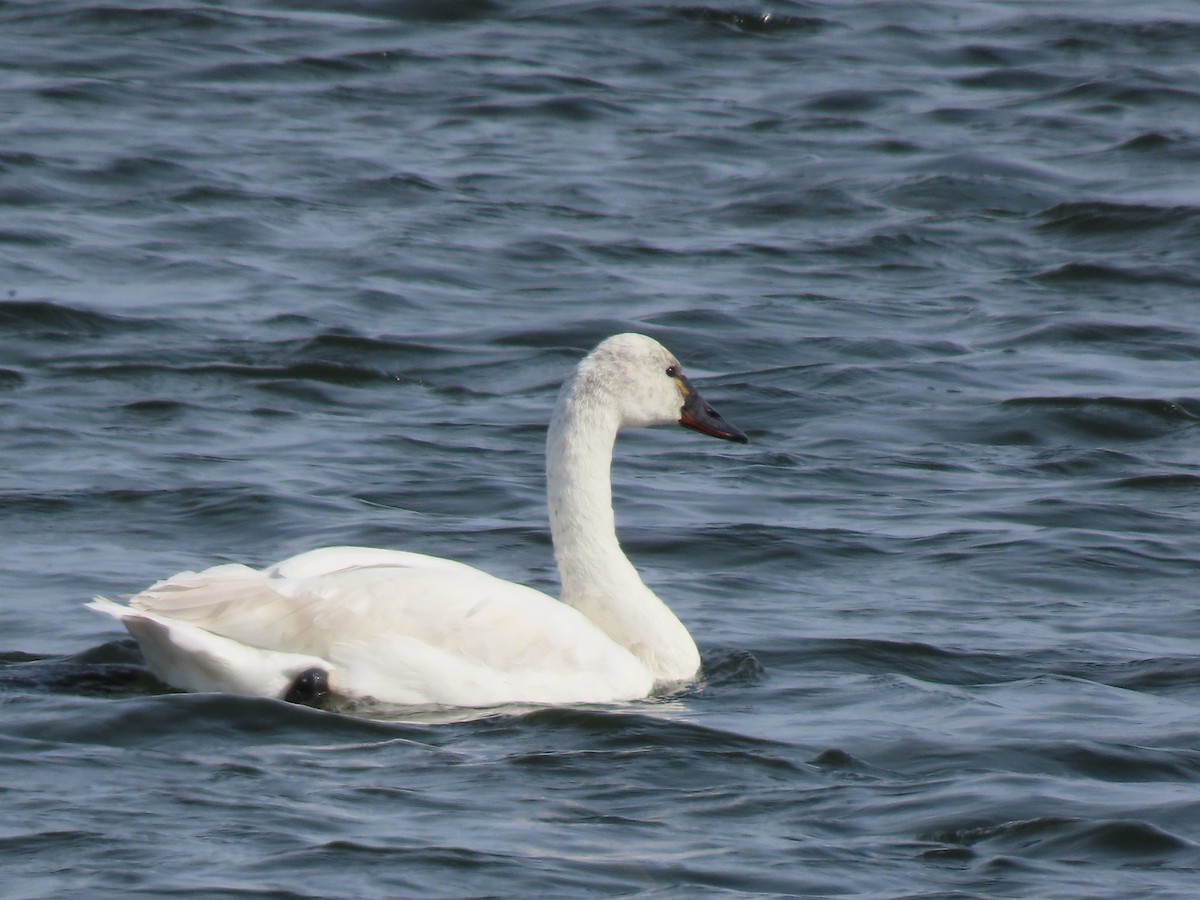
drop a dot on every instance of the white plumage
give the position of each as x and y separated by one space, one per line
406 628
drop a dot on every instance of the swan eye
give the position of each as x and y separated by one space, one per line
673 371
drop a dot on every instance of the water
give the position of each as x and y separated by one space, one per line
286 275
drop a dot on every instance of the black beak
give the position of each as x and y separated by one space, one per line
698 415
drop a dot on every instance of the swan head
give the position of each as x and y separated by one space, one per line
647 386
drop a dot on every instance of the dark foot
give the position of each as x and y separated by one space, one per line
310 687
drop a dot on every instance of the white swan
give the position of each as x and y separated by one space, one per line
406 628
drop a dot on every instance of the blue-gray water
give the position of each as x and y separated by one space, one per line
286 275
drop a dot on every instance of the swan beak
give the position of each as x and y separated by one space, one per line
698 415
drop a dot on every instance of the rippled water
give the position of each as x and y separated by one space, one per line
285 275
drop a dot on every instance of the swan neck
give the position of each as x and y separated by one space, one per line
597 577
579 489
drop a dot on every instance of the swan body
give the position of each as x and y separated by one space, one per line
412 629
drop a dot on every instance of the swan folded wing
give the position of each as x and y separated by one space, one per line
235 602
303 604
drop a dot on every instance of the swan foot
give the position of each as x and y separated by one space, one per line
310 687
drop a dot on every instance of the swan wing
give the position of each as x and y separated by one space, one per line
304 603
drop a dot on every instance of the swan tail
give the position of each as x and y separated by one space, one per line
192 659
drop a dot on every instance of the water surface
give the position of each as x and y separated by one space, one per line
287 275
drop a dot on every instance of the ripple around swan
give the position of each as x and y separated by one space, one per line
160 720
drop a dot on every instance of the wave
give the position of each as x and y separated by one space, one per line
1108 418
748 21
1092 217
125 20
1057 838
310 68
1082 271
912 659
1171 146
57 320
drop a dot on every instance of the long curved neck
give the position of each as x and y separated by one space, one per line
597 577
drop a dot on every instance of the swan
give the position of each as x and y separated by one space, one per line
408 629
